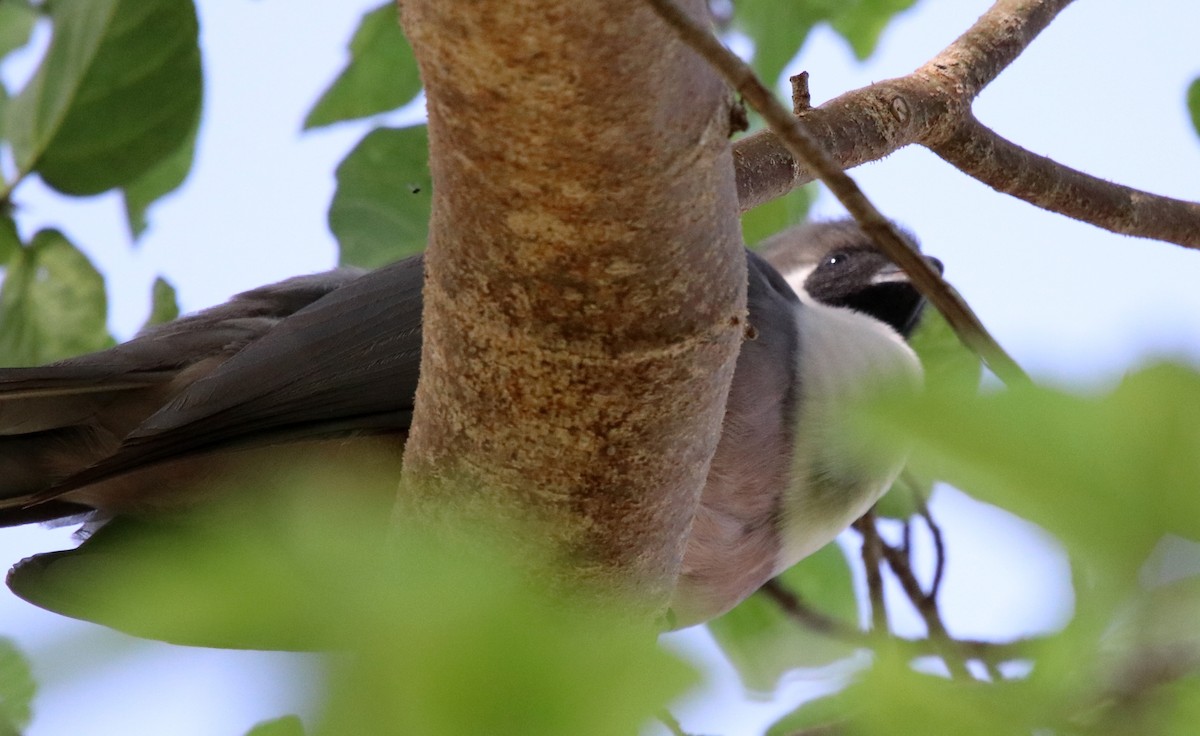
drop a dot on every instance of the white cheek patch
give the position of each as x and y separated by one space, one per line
796 278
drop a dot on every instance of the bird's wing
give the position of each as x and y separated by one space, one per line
347 362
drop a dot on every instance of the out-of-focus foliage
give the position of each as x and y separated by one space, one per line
1193 103
778 29
382 74
17 689
763 643
768 219
163 305
118 91
381 209
52 303
436 628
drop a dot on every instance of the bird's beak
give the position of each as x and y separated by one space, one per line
892 273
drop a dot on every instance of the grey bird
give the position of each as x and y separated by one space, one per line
329 363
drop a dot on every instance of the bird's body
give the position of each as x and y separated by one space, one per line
329 362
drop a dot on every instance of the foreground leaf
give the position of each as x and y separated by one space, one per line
52 304
1110 476
764 643
16 23
446 631
118 90
17 689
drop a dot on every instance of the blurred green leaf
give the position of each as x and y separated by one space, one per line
382 74
893 699
779 29
764 643
10 240
948 364
439 630
381 210
285 726
901 501
164 306
118 90
1110 476
16 23
52 304
826 712
17 689
862 22
162 179
768 219
1193 103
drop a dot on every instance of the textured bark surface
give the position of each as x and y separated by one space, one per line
585 284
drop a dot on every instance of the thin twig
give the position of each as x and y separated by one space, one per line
939 546
669 720
872 554
988 652
805 147
928 609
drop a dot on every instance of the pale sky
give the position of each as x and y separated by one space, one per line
1101 90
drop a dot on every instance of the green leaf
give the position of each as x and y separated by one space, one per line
52 304
10 241
1109 476
162 179
1193 103
285 726
763 643
16 23
439 629
17 689
827 712
949 365
118 91
779 29
768 219
862 22
382 74
381 210
164 305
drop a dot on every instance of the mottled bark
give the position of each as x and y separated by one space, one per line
585 285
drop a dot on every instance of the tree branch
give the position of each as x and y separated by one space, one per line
932 107
989 652
1008 168
806 146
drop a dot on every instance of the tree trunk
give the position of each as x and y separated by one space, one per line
585 281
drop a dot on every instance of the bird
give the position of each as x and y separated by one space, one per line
329 362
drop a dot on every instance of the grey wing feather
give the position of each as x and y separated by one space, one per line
59 418
347 362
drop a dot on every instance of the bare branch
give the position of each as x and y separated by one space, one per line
932 107
872 554
1008 168
989 652
807 147
928 608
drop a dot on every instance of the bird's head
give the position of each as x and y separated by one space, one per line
837 264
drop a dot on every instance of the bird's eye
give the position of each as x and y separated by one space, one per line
834 259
